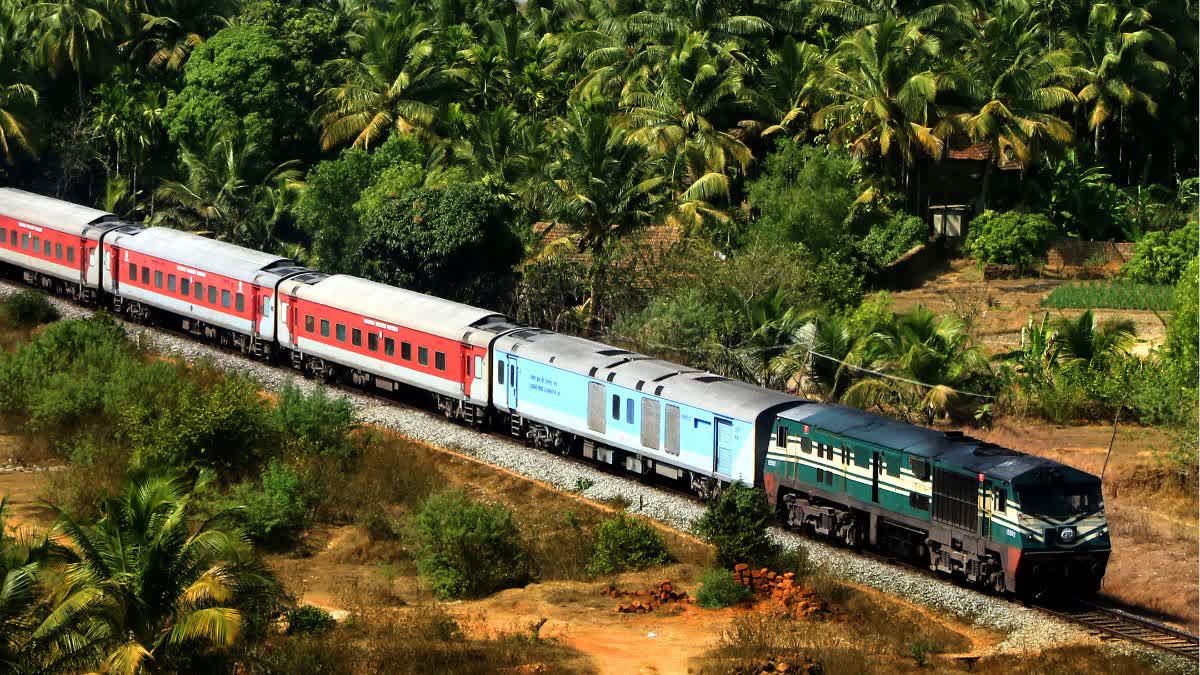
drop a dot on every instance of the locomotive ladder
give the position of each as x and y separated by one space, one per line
1121 624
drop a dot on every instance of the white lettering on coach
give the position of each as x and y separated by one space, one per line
27 226
189 270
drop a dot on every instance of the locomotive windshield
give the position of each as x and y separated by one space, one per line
1062 500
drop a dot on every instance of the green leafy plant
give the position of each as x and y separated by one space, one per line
1009 238
719 589
1160 257
736 523
626 543
27 309
1110 295
275 509
467 549
307 619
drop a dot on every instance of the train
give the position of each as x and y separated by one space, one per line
987 515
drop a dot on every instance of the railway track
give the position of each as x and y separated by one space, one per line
1109 621
1117 623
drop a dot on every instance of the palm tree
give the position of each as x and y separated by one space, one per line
790 87
1086 341
167 31
17 95
823 344
228 192
925 361
392 82
129 119
69 31
1118 64
765 355
19 566
602 186
143 589
883 92
1014 86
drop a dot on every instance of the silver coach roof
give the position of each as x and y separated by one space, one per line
36 209
214 256
402 307
651 376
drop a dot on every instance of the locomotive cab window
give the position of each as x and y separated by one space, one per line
806 445
373 341
1001 500
356 337
439 360
133 271
239 302
145 276
340 332
389 346
226 297
919 467
423 356
781 438
324 326
406 351
185 287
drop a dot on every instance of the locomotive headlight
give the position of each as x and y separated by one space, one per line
1067 535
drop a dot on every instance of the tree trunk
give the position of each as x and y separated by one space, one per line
987 179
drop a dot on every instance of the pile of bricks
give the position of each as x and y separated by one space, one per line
646 600
798 601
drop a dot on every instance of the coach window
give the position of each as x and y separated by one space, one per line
226 300
158 279
239 302
356 337
3 235
499 372
46 248
171 282
70 253
423 356
198 291
25 241
308 323
478 367
212 295
439 360
266 306
406 351
373 341
185 287
340 332
12 238
616 407
132 271
145 276
324 327
37 244
58 251
629 411
389 346
781 437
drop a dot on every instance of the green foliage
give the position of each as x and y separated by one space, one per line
240 78
805 194
467 549
1160 257
1182 332
920 651
736 523
458 241
27 309
718 589
316 424
1009 238
1110 295
275 509
626 543
308 619
678 324
892 238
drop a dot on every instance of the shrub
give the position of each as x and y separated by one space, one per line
1160 257
805 194
274 510
316 424
307 619
736 524
467 549
1009 238
892 238
1183 332
626 543
28 308
719 589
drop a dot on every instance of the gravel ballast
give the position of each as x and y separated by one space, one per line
1026 629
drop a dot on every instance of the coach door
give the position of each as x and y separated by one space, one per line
985 509
514 371
724 447
875 477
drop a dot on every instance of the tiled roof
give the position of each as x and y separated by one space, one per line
979 152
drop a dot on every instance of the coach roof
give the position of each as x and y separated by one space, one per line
399 306
34 209
210 255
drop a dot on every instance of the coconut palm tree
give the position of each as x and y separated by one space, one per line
883 92
924 360
146 588
789 89
603 186
1015 89
1086 341
391 83
166 32
822 344
17 95
19 564
1121 64
69 33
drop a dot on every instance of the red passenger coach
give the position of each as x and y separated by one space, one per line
53 241
384 335
217 289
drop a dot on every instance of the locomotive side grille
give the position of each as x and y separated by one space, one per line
954 499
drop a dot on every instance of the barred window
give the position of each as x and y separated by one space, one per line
145 276
423 356
439 360
389 346
373 341
406 351
132 271
356 337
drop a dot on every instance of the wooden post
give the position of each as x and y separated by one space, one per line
1111 440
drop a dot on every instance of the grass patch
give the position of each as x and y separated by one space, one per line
1110 295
